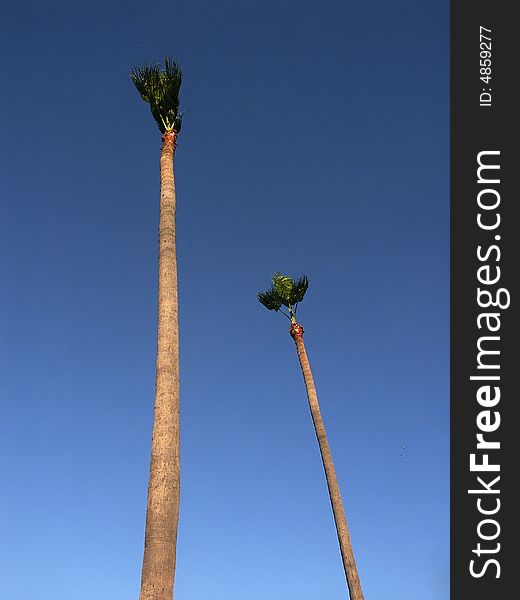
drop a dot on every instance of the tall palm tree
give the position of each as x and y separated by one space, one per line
160 88
289 292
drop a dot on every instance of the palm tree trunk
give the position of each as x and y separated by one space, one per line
347 554
162 513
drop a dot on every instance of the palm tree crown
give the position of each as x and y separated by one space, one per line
160 88
284 291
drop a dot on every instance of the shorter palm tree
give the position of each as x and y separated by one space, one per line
288 292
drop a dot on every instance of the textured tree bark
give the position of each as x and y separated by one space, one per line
162 513
347 554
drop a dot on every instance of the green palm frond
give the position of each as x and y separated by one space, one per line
160 88
299 288
269 300
283 285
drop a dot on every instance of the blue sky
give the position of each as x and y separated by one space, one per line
315 140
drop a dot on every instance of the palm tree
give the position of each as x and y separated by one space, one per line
160 88
289 292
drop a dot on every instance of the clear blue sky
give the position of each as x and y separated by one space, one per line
315 140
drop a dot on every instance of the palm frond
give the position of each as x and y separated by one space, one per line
160 88
282 285
269 300
299 288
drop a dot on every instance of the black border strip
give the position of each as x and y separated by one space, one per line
476 128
